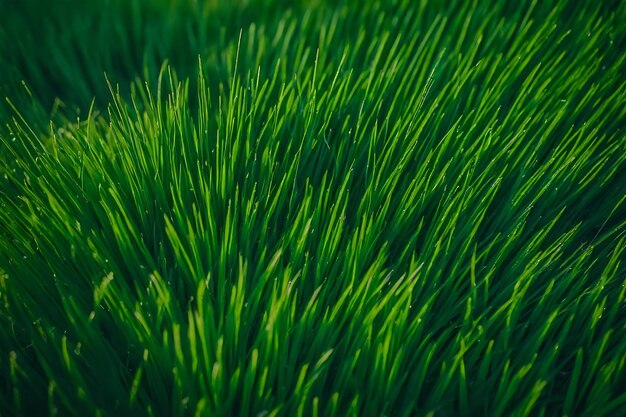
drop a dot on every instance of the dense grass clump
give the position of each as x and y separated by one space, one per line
393 208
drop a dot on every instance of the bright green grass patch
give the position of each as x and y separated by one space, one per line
367 209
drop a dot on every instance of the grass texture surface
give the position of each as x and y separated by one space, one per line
311 208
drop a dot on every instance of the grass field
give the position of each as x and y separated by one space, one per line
312 208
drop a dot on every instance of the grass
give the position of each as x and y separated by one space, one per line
363 208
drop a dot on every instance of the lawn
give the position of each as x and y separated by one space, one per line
312 208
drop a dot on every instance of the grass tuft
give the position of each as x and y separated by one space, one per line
365 208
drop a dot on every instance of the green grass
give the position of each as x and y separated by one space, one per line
322 209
